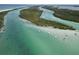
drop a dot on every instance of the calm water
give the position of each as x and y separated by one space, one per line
49 16
24 38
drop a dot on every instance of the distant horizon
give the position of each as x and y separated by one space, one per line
63 6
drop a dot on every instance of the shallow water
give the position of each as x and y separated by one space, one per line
25 38
49 16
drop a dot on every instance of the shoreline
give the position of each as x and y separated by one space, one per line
3 13
26 14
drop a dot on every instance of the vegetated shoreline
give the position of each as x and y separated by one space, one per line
33 15
2 14
66 14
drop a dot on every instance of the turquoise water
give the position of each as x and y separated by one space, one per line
25 38
49 16
22 38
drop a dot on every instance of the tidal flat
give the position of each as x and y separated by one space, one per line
65 14
33 15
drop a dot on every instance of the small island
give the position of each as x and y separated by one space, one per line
65 14
33 15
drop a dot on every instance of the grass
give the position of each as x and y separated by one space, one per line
33 15
2 14
65 14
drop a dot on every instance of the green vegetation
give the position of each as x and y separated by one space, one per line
66 14
2 14
33 15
